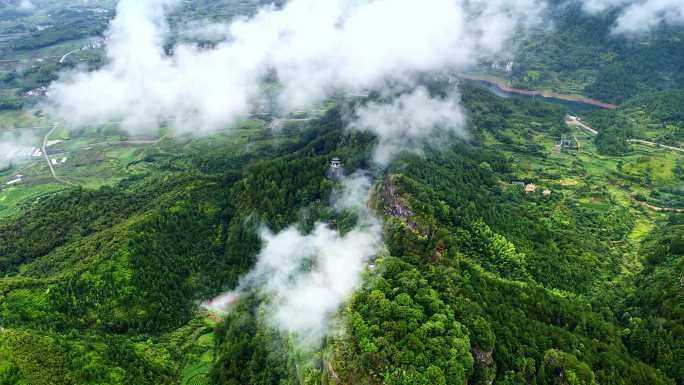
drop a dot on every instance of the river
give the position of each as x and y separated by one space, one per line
574 104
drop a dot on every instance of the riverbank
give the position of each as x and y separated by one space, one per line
505 87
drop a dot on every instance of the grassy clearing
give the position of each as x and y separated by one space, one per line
198 370
642 227
657 169
13 198
568 182
10 120
197 374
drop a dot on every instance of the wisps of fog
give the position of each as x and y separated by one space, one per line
16 147
639 16
409 120
308 276
205 30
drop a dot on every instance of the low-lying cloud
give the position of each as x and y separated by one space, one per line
408 121
308 276
315 47
639 16
13 148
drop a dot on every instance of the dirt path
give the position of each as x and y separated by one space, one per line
47 158
656 208
654 144
67 55
277 124
135 142
575 121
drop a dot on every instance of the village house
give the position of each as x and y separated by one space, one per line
567 143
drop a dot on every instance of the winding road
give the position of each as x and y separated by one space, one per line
654 144
67 55
47 158
656 208
576 122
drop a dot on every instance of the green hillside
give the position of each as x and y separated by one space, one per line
526 240
480 282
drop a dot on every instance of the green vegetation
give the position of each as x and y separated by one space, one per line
496 258
657 117
34 40
654 312
480 283
581 56
404 333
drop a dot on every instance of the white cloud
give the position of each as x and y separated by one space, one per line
304 297
353 194
26 5
308 276
408 121
315 46
639 16
144 87
14 147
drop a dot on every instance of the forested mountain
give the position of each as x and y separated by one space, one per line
480 281
242 192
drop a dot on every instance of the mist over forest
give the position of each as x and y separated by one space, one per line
342 192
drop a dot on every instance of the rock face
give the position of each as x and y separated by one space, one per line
395 205
438 252
482 357
485 369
